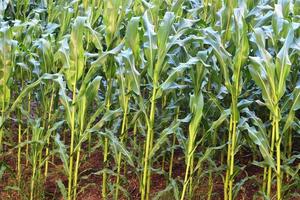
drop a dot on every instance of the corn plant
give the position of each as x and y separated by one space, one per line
156 63
273 88
129 80
45 53
196 107
123 99
233 85
111 20
73 56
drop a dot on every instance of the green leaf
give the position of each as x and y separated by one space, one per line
196 107
3 168
77 61
132 76
108 116
219 121
132 38
95 65
283 63
150 43
62 188
163 33
163 137
177 72
295 106
260 140
242 49
110 18
224 58
260 76
46 55
62 151
118 146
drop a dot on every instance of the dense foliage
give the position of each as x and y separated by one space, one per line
146 84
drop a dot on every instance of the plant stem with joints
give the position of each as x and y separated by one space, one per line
278 151
73 132
48 139
228 159
188 169
173 144
269 183
233 141
148 145
123 130
79 149
105 156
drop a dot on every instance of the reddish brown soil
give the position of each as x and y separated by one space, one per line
90 182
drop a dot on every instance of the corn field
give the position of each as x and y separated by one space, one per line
149 99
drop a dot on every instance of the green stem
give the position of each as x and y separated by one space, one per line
123 129
289 149
228 159
76 171
19 140
191 175
172 157
105 156
185 180
27 132
173 144
70 179
269 185
164 102
81 124
33 177
104 177
210 180
278 151
2 112
134 134
48 139
147 172
150 161
264 183
233 142
187 170
19 153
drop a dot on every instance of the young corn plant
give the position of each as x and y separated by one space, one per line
196 110
46 56
233 85
156 62
35 156
271 78
73 59
38 138
129 81
84 101
113 14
